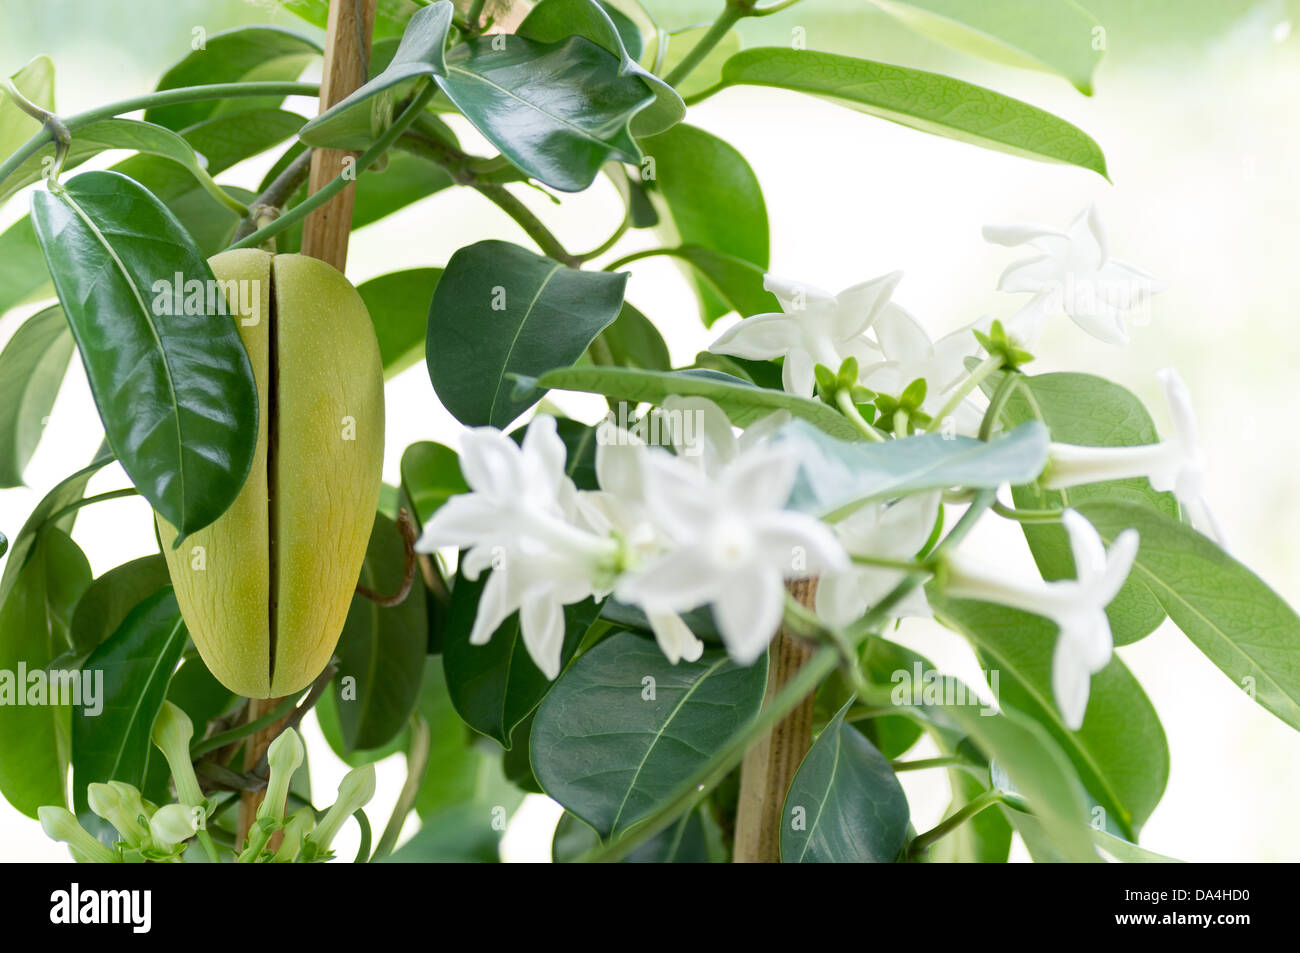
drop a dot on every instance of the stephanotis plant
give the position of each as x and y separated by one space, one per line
680 621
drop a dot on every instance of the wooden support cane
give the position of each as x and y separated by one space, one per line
770 765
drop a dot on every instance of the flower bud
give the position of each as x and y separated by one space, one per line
172 731
59 824
284 756
122 806
295 829
355 791
172 825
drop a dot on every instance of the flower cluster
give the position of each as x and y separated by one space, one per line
701 519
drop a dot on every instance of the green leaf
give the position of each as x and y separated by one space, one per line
681 843
459 834
623 727
845 805
554 20
634 341
1058 36
430 477
399 307
735 283
929 102
137 663
743 403
23 274
1128 853
1041 772
1120 752
109 600
34 620
247 54
500 311
558 111
356 121
891 735
327 716
459 770
406 180
497 685
66 492
176 393
708 197
36 82
32 366
1093 412
1229 613
102 136
382 648
836 476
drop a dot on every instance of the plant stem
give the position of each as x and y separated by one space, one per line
277 193
417 759
363 849
907 565
200 748
1006 387
86 501
509 203
728 18
1027 516
850 410
610 242
923 841
341 181
990 364
920 764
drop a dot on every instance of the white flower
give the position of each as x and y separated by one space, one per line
734 545
1176 464
1074 273
1077 606
884 531
910 355
813 327
521 520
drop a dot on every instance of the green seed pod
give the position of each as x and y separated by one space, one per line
266 588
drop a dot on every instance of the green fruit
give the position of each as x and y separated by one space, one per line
266 588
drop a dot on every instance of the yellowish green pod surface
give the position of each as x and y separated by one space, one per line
265 589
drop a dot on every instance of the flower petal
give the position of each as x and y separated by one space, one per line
675 638
763 337
541 623
857 308
748 612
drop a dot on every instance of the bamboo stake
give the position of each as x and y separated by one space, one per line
770 765
324 236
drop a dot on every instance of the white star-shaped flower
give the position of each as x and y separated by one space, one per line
1077 606
814 327
1074 273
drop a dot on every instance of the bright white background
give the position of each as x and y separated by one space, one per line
1195 109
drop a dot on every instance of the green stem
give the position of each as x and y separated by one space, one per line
990 364
907 565
850 410
618 263
610 242
417 759
343 179
86 501
509 203
363 850
1027 516
901 423
1006 387
201 748
920 764
923 841
728 18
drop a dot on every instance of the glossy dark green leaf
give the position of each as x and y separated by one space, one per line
32 366
399 307
845 805
837 475
1094 412
357 120
1120 752
381 650
1058 36
66 492
681 843
327 716
430 476
496 686
245 54
558 111
1229 613
742 402
554 20
930 102
34 620
500 311
708 197
175 392
634 341
109 600
137 663
624 727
